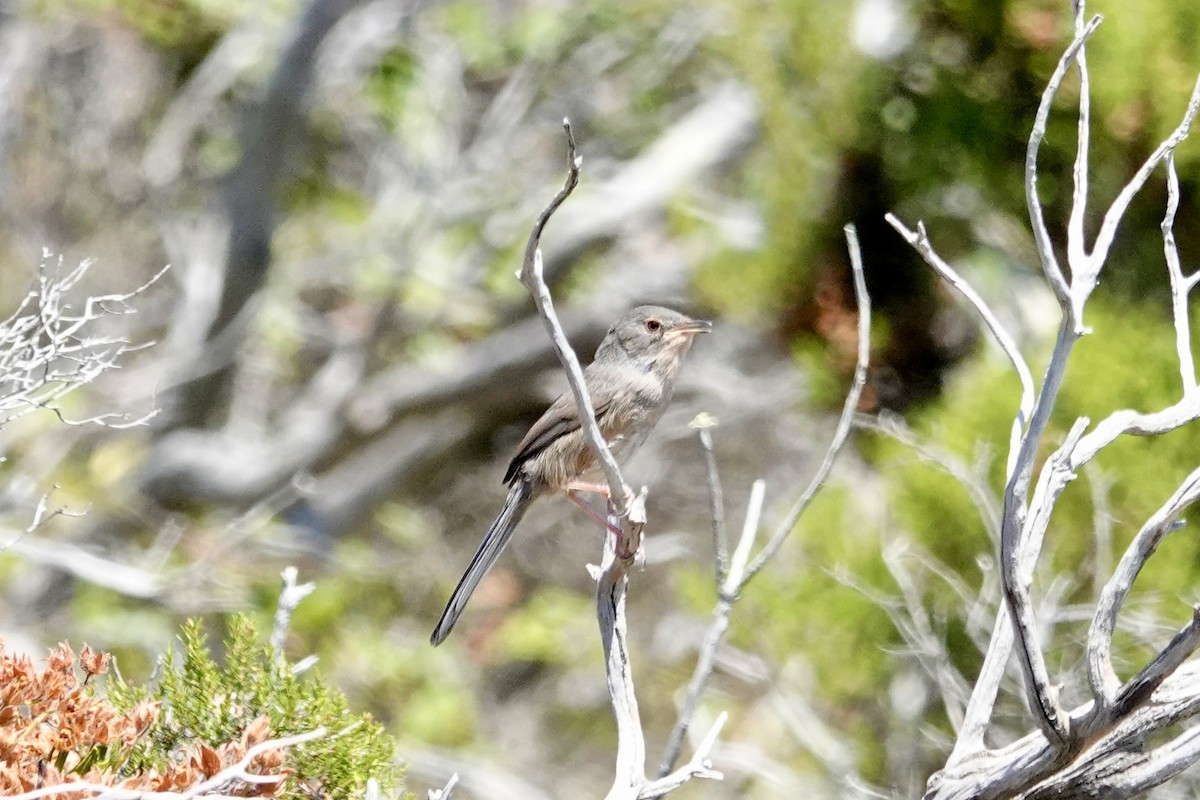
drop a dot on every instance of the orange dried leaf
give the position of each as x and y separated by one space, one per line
61 661
93 662
210 762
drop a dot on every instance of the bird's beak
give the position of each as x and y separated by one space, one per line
693 327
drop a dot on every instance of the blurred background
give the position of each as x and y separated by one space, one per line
343 360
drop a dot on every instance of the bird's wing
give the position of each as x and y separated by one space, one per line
560 418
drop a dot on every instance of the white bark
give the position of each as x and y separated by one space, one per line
1101 747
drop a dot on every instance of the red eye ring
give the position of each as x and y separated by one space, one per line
653 325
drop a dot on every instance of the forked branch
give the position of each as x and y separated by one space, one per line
1086 737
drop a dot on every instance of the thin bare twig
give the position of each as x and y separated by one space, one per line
1112 219
50 349
923 641
1037 219
446 791
41 514
727 595
699 766
919 240
1076 245
845 422
532 276
1180 286
289 598
972 478
716 498
1101 676
1020 542
740 571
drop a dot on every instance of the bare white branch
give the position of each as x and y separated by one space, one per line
699 766
920 242
531 275
207 788
1135 423
1031 761
446 791
1054 274
611 584
627 517
739 573
1112 219
49 349
917 630
1101 676
727 595
289 598
1180 286
1076 752
1076 244
716 497
741 555
845 421
978 713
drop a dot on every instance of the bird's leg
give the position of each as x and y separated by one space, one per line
598 488
590 488
573 494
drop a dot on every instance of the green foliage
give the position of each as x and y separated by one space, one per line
1140 38
937 131
187 29
787 53
388 85
555 626
840 619
181 25
209 702
349 622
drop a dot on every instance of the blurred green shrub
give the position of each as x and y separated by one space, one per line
203 700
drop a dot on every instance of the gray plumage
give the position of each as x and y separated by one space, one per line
630 381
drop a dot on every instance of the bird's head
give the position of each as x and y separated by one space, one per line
651 334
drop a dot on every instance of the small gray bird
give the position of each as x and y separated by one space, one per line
630 382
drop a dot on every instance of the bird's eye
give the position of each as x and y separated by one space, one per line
653 325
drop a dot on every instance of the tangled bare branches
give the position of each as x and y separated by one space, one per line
734 574
1100 748
52 345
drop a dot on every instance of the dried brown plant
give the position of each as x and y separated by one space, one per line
56 729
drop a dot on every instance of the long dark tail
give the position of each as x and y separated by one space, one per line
494 542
